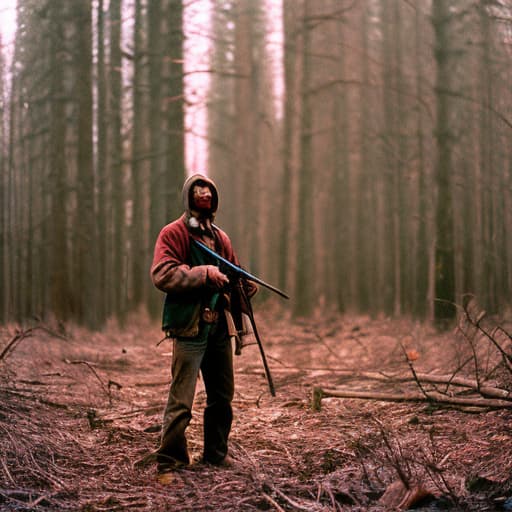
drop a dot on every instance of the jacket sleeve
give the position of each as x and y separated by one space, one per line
169 271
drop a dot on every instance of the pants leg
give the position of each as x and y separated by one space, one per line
217 371
186 362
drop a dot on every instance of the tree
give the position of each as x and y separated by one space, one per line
3 195
166 115
444 255
84 228
139 241
304 288
62 293
101 167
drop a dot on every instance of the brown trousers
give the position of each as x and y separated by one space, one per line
212 356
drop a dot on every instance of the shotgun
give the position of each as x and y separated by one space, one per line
231 268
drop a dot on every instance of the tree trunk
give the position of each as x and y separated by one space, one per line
156 139
62 300
102 163
246 142
420 273
85 229
174 122
3 196
139 249
444 254
293 70
116 278
304 287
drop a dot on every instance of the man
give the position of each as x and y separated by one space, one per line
202 313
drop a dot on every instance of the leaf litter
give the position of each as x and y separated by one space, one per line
79 410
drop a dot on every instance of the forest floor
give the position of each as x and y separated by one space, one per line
79 409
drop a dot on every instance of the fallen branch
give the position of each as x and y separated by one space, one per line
26 333
429 397
106 387
18 337
486 391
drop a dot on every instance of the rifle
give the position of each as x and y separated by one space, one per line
240 272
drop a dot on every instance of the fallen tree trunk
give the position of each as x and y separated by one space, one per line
428 397
449 380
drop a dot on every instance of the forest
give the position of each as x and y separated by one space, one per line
361 150
362 154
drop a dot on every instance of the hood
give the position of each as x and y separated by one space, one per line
187 188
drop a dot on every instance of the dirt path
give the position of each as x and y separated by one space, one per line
77 412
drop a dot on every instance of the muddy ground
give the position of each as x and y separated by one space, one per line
78 410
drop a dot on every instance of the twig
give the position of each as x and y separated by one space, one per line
477 323
272 502
457 370
393 459
292 502
413 371
18 337
323 487
95 373
7 472
37 501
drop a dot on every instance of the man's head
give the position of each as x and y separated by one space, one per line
200 196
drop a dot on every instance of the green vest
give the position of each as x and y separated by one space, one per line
181 317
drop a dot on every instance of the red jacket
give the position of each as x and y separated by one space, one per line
186 285
171 270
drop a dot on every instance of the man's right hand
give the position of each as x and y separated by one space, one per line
215 278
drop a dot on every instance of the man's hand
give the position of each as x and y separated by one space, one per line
215 278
